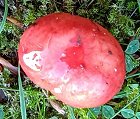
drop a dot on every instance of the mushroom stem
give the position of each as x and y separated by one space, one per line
8 65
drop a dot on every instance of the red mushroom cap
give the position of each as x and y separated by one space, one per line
76 59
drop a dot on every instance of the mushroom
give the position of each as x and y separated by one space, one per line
76 59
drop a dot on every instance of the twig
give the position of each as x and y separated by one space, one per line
8 65
54 104
57 107
15 22
133 12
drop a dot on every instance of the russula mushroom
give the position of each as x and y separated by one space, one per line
75 58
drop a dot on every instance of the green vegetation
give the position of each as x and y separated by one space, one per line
120 17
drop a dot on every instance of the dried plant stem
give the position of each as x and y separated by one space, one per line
54 104
8 65
15 22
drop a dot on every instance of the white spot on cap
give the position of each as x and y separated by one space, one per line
81 97
115 69
63 55
32 60
57 90
96 67
65 79
74 88
82 67
74 53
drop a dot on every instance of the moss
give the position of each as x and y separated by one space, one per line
120 17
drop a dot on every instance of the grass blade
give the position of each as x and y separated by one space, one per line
22 99
72 116
92 114
126 106
24 1
138 1
137 74
4 17
1 112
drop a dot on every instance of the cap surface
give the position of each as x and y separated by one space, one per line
76 59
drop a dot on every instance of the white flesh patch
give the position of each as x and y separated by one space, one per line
32 60
57 90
